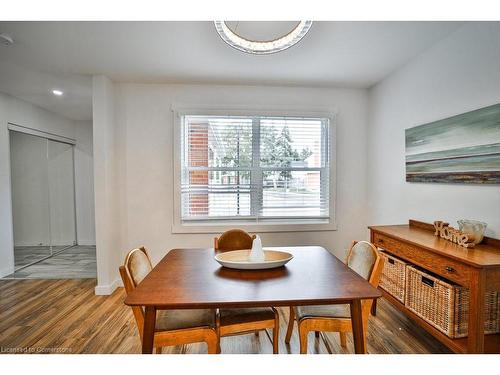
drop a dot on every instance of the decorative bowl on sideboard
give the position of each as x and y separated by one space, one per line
473 228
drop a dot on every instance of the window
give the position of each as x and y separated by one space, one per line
254 170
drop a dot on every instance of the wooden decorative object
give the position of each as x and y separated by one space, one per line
443 230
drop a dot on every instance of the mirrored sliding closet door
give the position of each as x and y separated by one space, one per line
43 197
61 195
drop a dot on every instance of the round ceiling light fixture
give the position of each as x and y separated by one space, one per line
262 47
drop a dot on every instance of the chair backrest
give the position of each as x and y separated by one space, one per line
234 239
364 259
135 268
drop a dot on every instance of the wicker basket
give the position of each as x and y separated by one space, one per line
393 276
445 305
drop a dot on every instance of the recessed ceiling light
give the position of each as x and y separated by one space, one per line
57 92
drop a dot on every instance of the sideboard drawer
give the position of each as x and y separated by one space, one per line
446 267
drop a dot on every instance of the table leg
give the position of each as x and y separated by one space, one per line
357 327
148 332
475 341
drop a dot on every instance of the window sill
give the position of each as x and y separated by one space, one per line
295 226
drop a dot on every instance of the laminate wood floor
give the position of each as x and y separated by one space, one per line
64 316
78 262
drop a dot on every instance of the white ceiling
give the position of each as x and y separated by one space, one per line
36 87
46 55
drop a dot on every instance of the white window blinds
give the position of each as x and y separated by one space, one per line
256 169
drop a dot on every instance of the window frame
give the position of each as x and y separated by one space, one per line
217 226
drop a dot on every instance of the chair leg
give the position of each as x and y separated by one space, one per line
289 331
276 333
217 322
364 341
303 331
158 350
213 345
373 310
343 339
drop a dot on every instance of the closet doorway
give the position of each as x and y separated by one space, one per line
43 195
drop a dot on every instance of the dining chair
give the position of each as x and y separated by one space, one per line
238 321
173 327
364 259
233 239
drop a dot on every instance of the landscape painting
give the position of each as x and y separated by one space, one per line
459 149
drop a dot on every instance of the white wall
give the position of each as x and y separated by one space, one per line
459 74
106 187
6 233
143 146
84 183
22 113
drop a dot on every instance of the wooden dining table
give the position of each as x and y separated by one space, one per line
192 279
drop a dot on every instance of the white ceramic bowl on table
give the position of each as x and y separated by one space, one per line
240 259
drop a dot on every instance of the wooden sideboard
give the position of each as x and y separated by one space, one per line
476 268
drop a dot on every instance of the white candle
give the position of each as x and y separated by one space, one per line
257 254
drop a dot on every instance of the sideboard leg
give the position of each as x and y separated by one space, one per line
475 341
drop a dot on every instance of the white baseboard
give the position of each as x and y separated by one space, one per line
105 290
6 271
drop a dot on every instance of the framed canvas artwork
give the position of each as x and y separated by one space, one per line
459 149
